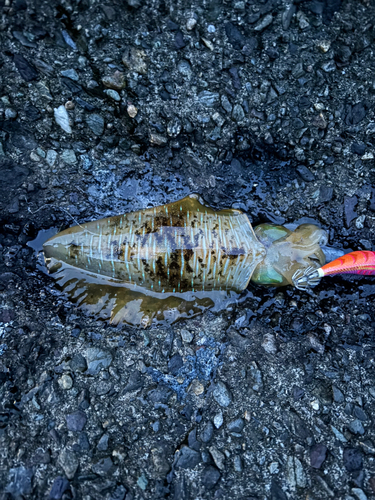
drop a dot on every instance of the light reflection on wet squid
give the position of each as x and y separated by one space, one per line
174 261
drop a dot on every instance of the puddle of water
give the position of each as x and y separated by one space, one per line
42 236
122 303
37 245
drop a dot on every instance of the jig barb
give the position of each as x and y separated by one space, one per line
359 262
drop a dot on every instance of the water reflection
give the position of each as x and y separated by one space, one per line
120 303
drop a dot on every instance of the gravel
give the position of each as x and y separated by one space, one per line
97 360
69 462
59 487
222 394
95 123
62 119
318 454
207 432
76 421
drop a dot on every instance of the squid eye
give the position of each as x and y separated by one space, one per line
314 258
323 240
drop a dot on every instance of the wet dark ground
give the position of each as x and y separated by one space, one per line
266 106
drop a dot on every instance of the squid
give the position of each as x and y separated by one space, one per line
176 260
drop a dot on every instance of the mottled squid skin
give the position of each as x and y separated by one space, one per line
171 248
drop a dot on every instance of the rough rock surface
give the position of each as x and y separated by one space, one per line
262 105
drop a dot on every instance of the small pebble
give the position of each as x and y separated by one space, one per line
218 420
113 94
359 493
78 363
142 482
76 421
158 140
303 21
305 173
41 153
236 425
62 118
210 477
174 127
360 222
65 382
356 427
368 156
339 435
10 114
315 343
315 405
191 23
329 66
319 106
273 467
186 336
5 100
92 84
320 121
69 462
226 104
208 43
51 157
269 343
115 82
97 360
103 443
207 432
238 113
103 467
196 387
59 487
184 68
318 454
69 157
237 464
69 105
208 99
218 457
338 396
324 45
34 156
71 74
247 415
222 394
95 123
132 110
266 21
